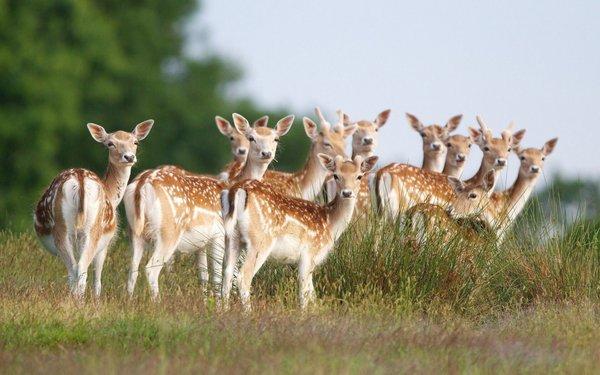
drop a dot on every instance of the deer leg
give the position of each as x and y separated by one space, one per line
137 250
88 247
163 251
306 287
99 264
64 246
230 257
203 266
216 257
256 255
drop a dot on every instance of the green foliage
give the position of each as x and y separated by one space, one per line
64 63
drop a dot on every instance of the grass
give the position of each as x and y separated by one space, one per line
385 306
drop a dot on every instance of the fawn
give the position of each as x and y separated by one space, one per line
287 229
434 149
175 210
401 186
77 214
458 149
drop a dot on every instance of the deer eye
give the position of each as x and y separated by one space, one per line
470 145
136 142
422 135
276 139
231 138
328 145
336 177
523 158
251 138
486 149
509 149
359 177
448 145
472 195
543 158
110 145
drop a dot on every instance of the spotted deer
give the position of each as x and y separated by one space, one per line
239 145
505 206
364 142
434 149
172 209
287 229
458 149
470 200
76 218
401 186
308 181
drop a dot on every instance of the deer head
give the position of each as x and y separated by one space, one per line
262 139
532 159
433 135
122 146
364 140
238 141
459 148
330 139
347 174
495 150
471 198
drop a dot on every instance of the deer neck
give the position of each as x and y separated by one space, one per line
115 182
312 176
253 170
453 170
339 215
507 205
433 163
478 177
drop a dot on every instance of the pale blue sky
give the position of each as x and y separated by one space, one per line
534 62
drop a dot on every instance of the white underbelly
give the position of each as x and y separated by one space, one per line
287 249
198 237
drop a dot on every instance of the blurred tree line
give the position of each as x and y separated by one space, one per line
64 63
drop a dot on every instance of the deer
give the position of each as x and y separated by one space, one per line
76 217
401 186
172 209
287 229
308 181
458 149
469 202
505 206
364 143
239 145
434 150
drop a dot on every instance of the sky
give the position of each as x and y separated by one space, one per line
536 63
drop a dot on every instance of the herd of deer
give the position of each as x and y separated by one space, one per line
272 214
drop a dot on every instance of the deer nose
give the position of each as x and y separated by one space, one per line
461 157
367 141
266 154
130 158
346 193
436 146
535 169
501 162
241 151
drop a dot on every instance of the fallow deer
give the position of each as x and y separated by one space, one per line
239 145
470 200
434 150
364 142
458 149
175 210
76 218
505 206
401 186
308 181
288 229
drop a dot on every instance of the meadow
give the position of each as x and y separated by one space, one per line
384 306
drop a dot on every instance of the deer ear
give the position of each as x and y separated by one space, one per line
241 124
453 123
414 122
327 162
516 140
263 121
549 146
475 136
224 126
489 180
284 125
97 132
349 130
368 164
382 118
456 184
310 128
142 129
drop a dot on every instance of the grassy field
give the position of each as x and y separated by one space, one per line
531 305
